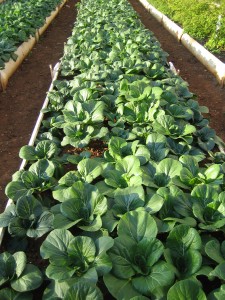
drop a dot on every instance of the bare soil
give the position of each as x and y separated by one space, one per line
22 101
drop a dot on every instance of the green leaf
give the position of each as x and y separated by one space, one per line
30 279
86 204
115 147
105 189
130 165
10 294
129 198
28 153
184 244
121 255
102 261
183 238
58 272
89 169
137 225
169 167
219 271
103 244
217 294
147 253
28 208
94 225
142 154
62 193
21 261
185 290
189 264
81 250
212 249
83 290
58 289
114 179
163 124
154 204
43 168
156 144
62 222
42 226
16 190
212 172
46 149
178 111
121 289
17 228
139 298
7 215
8 266
55 246
161 275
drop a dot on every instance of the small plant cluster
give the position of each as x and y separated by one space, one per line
144 216
202 19
19 20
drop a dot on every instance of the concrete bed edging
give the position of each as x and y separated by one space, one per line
211 62
24 49
34 135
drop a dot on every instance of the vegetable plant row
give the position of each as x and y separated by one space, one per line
124 188
19 20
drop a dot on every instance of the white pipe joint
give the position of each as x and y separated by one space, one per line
212 63
172 27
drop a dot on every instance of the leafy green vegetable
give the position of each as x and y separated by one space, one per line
18 21
183 250
186 289
27 218
37 179
161 174
43 149
20 275
127 152
77 257
10 294
136 258
83 208
208 207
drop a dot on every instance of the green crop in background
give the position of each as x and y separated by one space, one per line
202 19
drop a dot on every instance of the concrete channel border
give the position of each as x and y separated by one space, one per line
211 62
24 49
33 137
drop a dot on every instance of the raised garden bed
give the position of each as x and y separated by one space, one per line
22 24
143 193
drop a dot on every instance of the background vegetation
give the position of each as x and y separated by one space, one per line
202 19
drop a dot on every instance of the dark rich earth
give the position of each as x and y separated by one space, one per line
22 101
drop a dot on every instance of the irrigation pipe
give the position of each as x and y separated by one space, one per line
34 135
24 49
212 63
